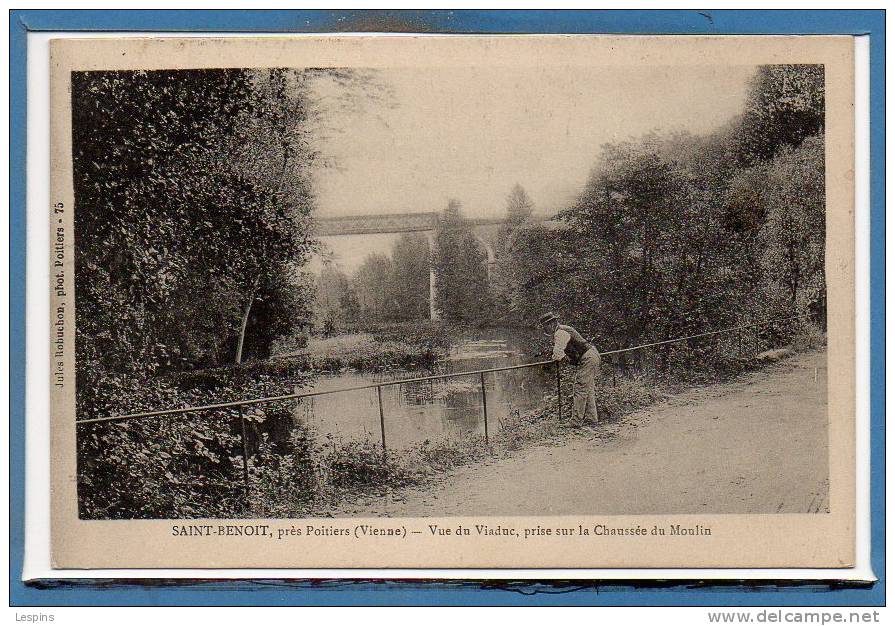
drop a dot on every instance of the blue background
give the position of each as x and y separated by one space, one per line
693 593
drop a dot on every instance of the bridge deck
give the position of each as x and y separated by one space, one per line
385 223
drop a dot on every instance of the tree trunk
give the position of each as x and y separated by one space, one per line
245 320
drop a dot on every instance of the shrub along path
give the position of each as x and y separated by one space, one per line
755 445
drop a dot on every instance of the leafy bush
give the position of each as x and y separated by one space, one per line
361 463
159 468
183 465
809 336
285 477
193 203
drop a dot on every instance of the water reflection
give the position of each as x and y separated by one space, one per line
431 409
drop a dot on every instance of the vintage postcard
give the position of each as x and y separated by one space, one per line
450 301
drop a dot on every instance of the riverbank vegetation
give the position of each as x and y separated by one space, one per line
194 226
333 476
367 347
675 234
194 213
295 471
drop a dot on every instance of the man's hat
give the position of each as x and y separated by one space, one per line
546 318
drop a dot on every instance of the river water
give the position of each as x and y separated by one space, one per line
436 409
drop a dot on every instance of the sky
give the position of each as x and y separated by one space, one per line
472 133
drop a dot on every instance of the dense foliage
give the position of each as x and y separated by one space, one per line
192 208
675 234
192 202
786 106
462 292
385 288
186 465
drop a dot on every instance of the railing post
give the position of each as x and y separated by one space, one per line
245 458
559 390
484 405
381 420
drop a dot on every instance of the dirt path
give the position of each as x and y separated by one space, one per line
757 445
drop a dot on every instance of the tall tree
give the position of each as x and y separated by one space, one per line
335 300
529 276
793 233
461 271
519 208
372 284
409 284
624 224
785 105
272 150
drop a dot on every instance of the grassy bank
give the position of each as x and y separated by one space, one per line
404 345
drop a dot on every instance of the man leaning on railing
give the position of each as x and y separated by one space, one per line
583 356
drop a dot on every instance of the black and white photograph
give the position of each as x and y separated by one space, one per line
364 293
605 292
